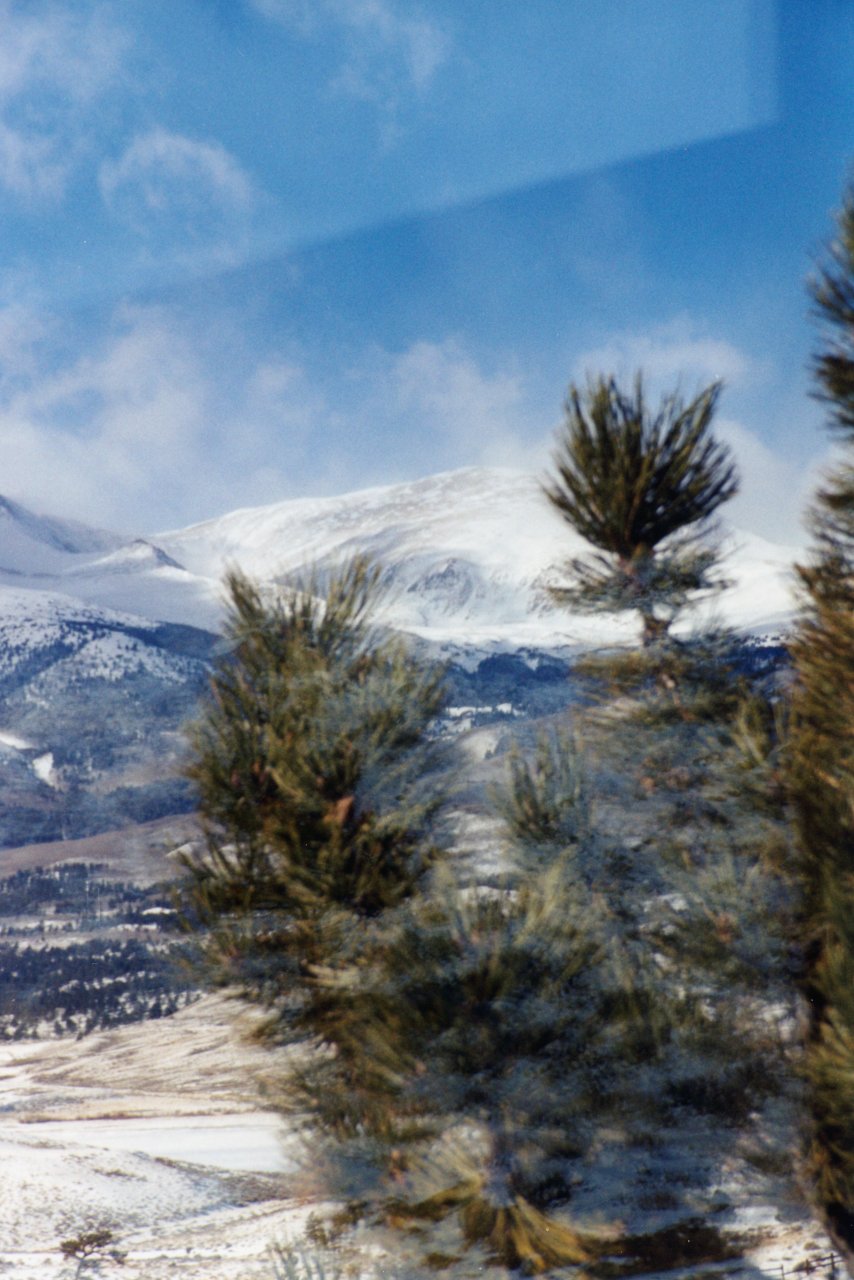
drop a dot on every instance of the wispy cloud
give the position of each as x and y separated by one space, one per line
677 352
158 422
99 432
168 186
150 425
463 412
55 67
161 420
417 44
390 50
69 127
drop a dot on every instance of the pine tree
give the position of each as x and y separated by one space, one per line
822 754
312 761
522 1025
641 487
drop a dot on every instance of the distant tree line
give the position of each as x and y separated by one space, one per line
88 986
75 889
79 987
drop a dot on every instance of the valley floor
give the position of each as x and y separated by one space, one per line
199 1181
193 1182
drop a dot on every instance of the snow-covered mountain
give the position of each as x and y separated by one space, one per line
104 639
466 555
64 557
91 706
31 544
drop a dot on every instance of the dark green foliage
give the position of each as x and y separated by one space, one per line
628 479
589 994
511 1025
694 875
822 754
476 1051
428 1006
545 803
641 487
833 293
88 986
309 756
523 1020
313 764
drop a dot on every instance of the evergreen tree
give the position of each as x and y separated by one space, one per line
641 487
822 754
312 763
522 1021
431 1008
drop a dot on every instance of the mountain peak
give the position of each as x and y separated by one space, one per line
466 553
69 536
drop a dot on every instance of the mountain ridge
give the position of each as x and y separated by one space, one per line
465 554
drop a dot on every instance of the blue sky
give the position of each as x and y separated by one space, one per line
258 249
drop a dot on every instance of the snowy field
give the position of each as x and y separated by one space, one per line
158 1132
155 1132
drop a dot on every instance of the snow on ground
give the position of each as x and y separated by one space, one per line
155 1131
43 769
159 1132
243 1142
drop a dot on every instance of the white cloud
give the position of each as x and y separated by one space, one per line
774 490
32 167
72 54
65 75
414 41
102 433
391 50
151 427
670 354
55 67
22 334
463 414
162 421
167 183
